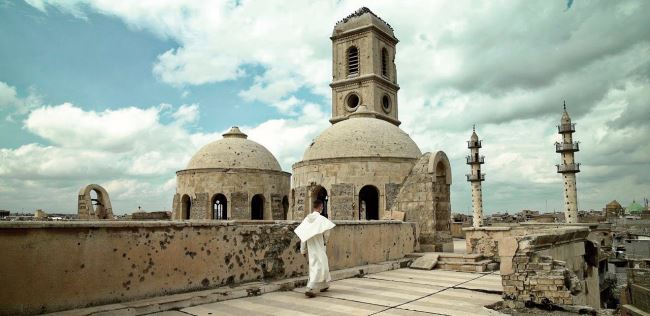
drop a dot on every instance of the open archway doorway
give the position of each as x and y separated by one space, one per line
285 207
257 207
369 203
186 206
320 193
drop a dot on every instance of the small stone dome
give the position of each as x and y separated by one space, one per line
234 151
362 135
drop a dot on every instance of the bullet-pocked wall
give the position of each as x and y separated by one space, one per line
94 263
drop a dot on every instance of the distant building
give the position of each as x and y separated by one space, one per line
39 214
634 208
613 209
527 215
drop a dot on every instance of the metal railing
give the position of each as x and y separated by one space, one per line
562 147
473 159
566 128
475 177
473 144
568 168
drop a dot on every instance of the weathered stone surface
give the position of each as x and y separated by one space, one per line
91 263
277 212
240 208
342 201
424 198
426 262
299 208
200 206
547 266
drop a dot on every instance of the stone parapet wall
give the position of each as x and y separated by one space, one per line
51 266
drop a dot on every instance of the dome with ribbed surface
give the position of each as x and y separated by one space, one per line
234 151
362 135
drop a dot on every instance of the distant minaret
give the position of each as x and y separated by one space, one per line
476 177
568 168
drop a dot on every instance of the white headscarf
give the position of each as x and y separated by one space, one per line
312 225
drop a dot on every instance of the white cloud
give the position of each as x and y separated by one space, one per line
13 104
129 151
505 65
186 114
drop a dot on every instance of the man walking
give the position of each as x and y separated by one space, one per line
313 233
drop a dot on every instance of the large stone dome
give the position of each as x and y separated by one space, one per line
234 151
362 135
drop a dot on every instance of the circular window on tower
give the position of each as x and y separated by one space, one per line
386 103
352 101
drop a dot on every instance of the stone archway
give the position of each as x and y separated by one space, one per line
91 208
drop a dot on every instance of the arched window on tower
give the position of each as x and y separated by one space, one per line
353 61
384 62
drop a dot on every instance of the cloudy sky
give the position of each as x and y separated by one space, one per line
123 93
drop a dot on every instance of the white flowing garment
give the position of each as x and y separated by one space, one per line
312 233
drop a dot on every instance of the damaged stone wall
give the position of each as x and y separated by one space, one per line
636 295
94 263
485 240
548 267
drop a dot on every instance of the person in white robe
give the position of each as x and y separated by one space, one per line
314 233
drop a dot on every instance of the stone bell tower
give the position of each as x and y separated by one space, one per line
363 67
568 167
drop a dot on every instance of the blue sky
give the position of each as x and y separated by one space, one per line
122 94
102 63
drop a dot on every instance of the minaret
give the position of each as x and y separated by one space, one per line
568 168
363 67
476 177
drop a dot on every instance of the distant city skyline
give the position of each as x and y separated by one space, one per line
123 94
